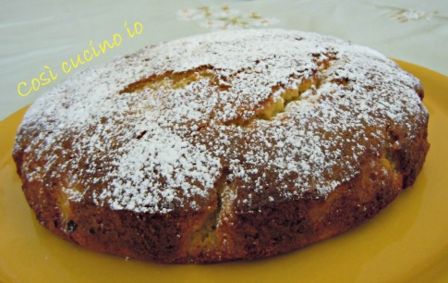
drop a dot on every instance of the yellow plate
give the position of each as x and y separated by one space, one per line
407 242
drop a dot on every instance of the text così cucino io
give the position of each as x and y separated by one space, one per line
48 75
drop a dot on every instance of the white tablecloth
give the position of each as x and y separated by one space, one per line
34 34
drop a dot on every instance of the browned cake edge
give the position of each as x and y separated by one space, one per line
274 229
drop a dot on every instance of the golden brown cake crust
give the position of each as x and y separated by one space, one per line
231 145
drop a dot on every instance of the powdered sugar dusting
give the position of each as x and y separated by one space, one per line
178 163
158 149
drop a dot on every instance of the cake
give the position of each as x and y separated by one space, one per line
223 146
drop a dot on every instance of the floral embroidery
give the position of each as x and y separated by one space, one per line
406 15
403 15
224 17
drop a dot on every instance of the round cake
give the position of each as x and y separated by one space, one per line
224 146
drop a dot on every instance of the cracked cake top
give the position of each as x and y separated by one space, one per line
259 115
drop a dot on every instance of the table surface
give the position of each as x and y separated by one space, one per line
34 34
